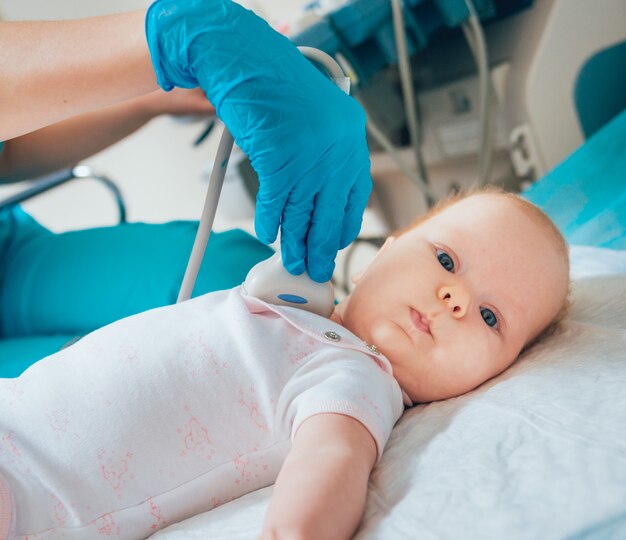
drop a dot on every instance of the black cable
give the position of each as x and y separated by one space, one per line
205 133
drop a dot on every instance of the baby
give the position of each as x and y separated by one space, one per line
174 411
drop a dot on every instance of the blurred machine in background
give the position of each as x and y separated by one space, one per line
557 73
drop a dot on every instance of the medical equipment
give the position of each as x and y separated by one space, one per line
268 280
474 35
364 36
528 79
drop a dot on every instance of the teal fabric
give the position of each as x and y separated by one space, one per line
17 354
16 228
586 194
60 285
78 281
600 88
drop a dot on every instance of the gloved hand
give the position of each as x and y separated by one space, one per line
305 138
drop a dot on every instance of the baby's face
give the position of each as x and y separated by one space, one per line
452 302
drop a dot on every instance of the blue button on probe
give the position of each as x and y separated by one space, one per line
292 298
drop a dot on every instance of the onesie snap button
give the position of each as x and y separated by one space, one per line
332 336
373 349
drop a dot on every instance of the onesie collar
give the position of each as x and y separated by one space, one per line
319 327
323 329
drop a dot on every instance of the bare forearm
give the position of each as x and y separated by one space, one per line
50 71
321 489
322 498
66 143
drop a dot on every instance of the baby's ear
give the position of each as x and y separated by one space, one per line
357 277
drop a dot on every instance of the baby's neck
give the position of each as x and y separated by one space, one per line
335 316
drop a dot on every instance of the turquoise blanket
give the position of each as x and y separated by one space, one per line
586 194
54 287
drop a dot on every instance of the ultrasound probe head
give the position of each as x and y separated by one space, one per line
270 282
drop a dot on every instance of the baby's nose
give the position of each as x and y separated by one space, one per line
456 298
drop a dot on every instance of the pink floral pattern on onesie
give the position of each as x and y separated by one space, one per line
156 513
11 453
60 511
299 349
59 420
249 466
213 365
114 470
196 440
106 526
248 400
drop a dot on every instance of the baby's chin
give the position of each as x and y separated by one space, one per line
383 333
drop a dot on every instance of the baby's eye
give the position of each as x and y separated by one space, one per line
445 260
489 317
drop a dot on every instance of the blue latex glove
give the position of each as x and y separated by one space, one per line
305 138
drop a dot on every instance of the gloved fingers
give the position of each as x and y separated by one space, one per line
357 202
325 234
269 209
295 225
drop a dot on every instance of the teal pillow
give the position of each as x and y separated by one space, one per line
75 282
17 354
585 195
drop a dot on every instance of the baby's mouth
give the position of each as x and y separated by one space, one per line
420 321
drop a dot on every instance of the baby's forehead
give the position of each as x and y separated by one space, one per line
483 215
493 204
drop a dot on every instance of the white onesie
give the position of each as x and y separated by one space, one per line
171 412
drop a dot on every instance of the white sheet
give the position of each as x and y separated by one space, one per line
539 452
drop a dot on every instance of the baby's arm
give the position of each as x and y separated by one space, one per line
321 489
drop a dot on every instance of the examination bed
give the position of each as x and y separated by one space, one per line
538 452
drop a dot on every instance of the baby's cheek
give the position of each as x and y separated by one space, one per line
480 357
387 336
